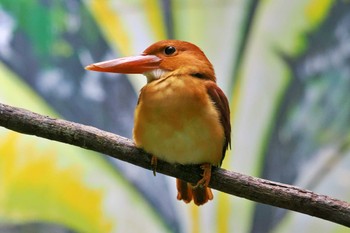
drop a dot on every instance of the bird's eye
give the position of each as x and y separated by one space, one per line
169 50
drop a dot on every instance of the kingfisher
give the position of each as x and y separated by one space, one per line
181 116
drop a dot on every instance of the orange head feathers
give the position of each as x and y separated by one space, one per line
162 57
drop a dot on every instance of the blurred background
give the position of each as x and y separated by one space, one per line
284 65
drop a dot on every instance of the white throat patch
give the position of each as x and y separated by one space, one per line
154 74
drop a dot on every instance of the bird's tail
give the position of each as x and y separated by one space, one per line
186 192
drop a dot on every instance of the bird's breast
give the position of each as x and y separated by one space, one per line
176 121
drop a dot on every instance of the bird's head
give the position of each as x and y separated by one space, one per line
163 58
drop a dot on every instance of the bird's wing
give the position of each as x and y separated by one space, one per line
221 103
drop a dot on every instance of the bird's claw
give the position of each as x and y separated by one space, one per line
204 182
154 162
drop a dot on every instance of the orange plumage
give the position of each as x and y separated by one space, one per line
182 116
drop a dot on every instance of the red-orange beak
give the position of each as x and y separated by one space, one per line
127 65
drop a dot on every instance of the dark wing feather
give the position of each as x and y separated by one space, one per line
221 103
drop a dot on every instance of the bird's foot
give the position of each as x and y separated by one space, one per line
204 182
154 161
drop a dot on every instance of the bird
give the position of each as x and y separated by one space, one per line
182 116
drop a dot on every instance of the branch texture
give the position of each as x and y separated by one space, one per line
255 189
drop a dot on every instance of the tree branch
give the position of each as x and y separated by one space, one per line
255 189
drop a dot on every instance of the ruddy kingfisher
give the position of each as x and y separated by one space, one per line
182 116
